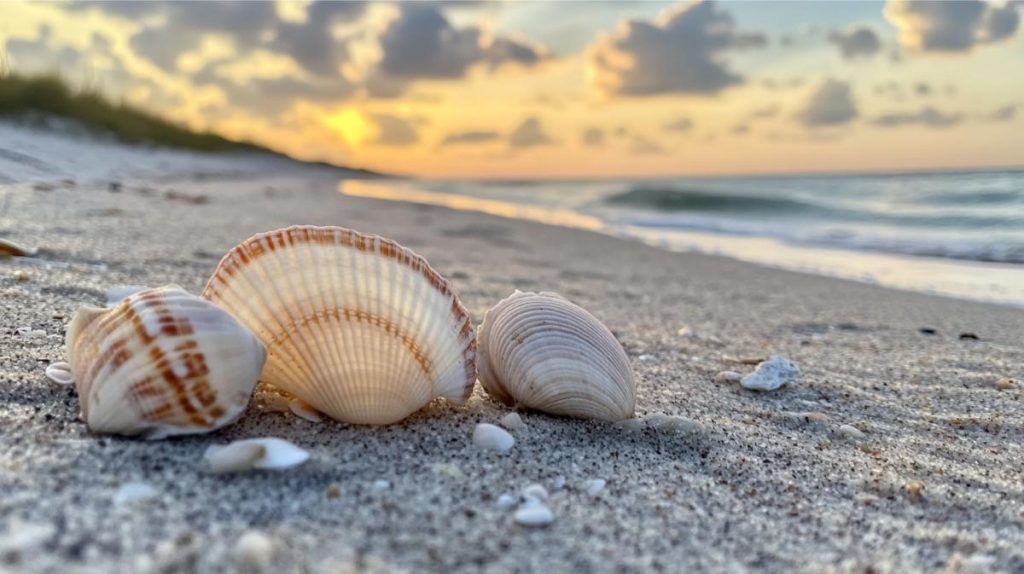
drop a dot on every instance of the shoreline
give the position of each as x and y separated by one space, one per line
963 279
760 481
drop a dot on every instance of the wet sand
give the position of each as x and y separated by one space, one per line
930 480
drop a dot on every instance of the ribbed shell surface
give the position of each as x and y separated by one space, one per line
539 351
356 325
162 362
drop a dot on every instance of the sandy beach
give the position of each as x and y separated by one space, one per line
897 451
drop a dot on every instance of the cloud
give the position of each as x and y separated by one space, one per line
1004 113
927 116
181 27
394 131
678 53
529 134
955 26
593 137
765 112
856 42
679 125
829 103
271 96
472 136
642 145
421 44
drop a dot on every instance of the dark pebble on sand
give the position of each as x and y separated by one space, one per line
968 337
115 187
927 331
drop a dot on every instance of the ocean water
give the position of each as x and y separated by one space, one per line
952 233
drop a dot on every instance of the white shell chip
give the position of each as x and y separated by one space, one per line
257 453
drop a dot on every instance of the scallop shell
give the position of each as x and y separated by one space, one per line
542 352
161 362
355 325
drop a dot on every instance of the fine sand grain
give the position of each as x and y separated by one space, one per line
897 451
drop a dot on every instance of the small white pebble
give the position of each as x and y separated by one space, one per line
381 484
594 486
536 492
728 377
771 374
558 483
131 492
255 550
533 515
490 437
850 431
513 422
506 501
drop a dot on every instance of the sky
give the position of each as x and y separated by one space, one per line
525 90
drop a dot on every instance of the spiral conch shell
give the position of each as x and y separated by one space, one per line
539 351
355 325
161 362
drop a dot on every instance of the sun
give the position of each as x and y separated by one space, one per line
352 125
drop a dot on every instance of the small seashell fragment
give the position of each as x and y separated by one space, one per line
490 437
533 515
727 377
131 492
162 362
21 276
60 373
539 351
558 483
357 326
506 501
302 410
915 490
771 374
254 551
513 422
257 453
12 249
381 485
536 491
851 432
594 486
1005 384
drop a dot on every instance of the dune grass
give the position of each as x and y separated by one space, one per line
49 94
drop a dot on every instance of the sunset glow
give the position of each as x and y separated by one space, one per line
529 90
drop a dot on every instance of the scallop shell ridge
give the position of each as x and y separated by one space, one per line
358 326
542 352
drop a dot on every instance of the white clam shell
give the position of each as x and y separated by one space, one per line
256 453
162 362
539 351
357 326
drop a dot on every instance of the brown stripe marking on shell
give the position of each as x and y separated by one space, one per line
253 248
195 382
358 315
